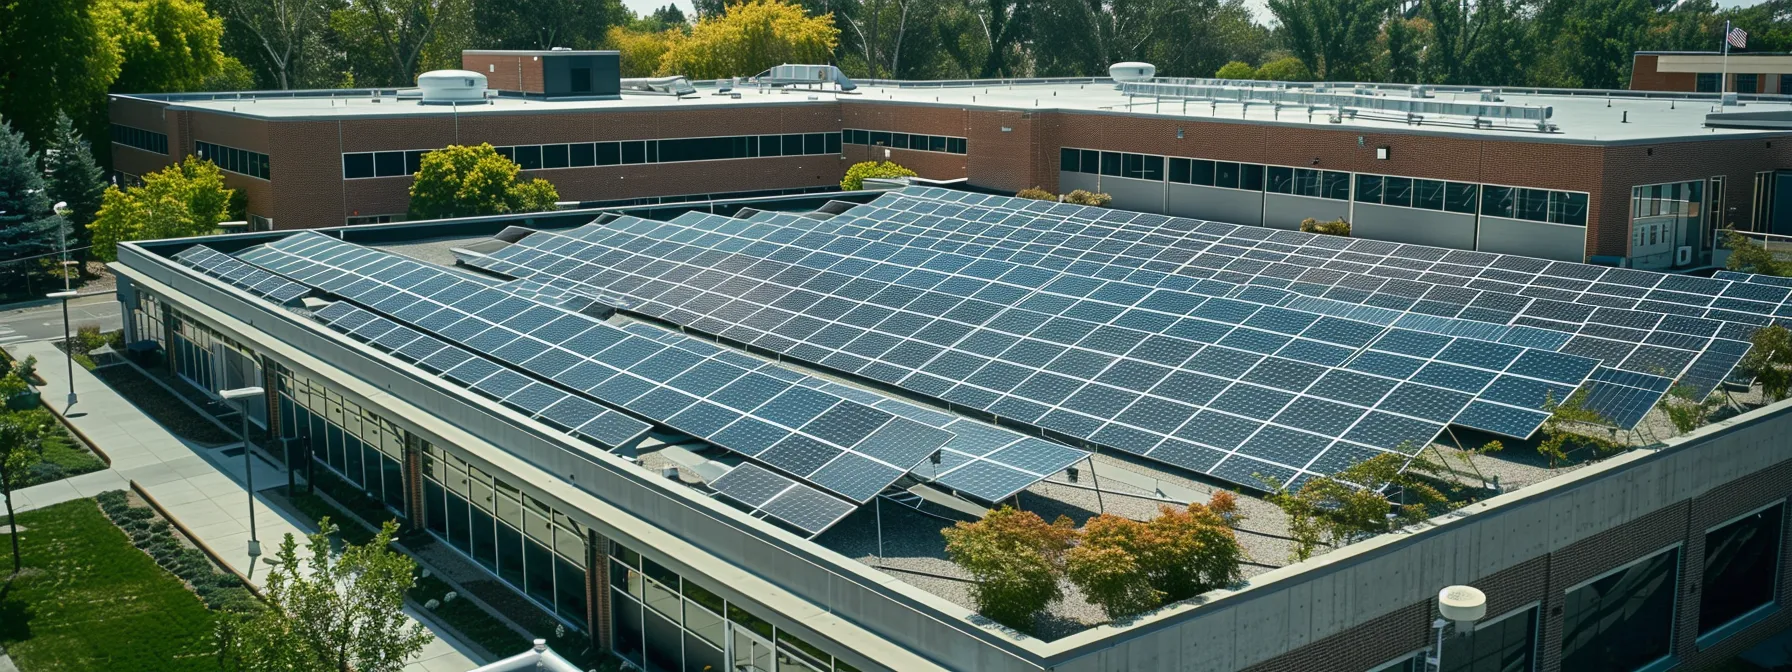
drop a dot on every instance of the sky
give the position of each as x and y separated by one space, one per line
1258 7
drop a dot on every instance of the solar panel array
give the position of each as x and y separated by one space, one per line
732 400
981 460
1241 352
607 428
254 280
766 492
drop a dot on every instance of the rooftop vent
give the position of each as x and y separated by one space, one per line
447 87
1132 71
665 86
1421 91
794 74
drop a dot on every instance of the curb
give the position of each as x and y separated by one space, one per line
78 434
196 541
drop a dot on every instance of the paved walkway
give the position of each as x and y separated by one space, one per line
200 487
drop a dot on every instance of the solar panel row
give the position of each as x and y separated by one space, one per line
227 268
840 445
798 505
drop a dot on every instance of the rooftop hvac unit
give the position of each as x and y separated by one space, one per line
790 74
1421 91
1132 71
446 87
1490 96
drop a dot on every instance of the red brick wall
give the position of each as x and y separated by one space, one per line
1629 166
506 72
1546 579
1644 77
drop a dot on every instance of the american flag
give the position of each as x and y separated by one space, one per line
1737 38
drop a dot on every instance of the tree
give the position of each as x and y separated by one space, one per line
641 51
669 16
280 29
18 451
1288 69
1768 359
53 58
750 37
329 611
166 45
463 181
1332 37
386 39
859 172
1566 416
1236 70
1748 256
1349 506
186 199
545 24
74 178
28 228
1129 567
1685 409
1015 557
1402 44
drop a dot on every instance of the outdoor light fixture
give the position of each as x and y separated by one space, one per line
68 335
245 394
1462 605
1381 153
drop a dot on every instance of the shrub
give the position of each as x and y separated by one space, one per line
44 472
1236 70
1348 506
1336 227
1288 69
1037 194
1081 197
88 339
855 175
1015 558
12 385
1129 567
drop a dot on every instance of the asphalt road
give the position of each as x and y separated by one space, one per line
38 323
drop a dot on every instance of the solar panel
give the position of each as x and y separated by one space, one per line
783 499
243 276
801 431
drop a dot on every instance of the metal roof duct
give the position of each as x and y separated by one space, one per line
1359 100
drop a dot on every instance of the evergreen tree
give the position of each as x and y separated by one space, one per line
28 228
73 177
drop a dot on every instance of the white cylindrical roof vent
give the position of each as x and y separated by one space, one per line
1462 604
1132 71
452 86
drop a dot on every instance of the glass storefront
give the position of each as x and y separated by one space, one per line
537 550
665 623
357 444
1665 218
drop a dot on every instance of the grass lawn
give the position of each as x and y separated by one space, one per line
89 600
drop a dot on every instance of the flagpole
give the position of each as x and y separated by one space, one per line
1723 80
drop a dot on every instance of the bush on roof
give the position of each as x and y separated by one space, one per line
1016 558
1130 567
859 172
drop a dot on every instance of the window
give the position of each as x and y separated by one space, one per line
239 161
529 157
1368 188
1428 194
1533 204
1067 159
1110 164
1742 560
355 166
1785 85
1623 620
1460 197
1281 180
149 141
1250 177
1748 83
388 164
1506 644
581 80
1336 185
1396 191
1707 83
928 143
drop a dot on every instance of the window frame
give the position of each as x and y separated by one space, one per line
1708 637
1670 659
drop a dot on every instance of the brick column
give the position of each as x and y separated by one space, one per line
597 588
413 480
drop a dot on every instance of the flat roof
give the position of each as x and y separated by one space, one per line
537 52
1579 117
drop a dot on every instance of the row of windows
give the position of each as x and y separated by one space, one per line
214 362
915 141
149 141
362 447
239 161
521 539
665 622
1560 207
1624 619
1745 83
357 165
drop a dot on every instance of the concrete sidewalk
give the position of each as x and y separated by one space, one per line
201 488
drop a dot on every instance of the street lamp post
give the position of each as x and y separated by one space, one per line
68 341
246 394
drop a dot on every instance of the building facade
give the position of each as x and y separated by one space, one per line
1704 71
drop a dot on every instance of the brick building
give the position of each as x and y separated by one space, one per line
1703 71
1602 176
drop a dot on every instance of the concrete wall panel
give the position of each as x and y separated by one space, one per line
1411 225
1130 194
1232 206
1532 239
1069 182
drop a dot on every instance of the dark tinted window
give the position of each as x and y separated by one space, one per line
1337 185
1567 207
1533 204
413 161
936 143
1179 170
581 80
1624 620
833 143
1067 160
357 165
1428 194
1496 201
633 151
1091 162
608 153
1396 191
1741 564
771 145
581 155
1250 176
529 157
899 140
1368 188
1201 172
553 156
1281 180
814 143
793 145
1505 645
1460 197
1110 163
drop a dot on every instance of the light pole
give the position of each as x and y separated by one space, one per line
246 394
68 341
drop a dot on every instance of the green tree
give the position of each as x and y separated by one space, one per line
1685 409
1129 567
1749 256
1402 43
280 30
330 610
1286 69
1591 41
74 178
640 50
1332 37
750 37
1349 506
1768 360
463 181
28 228
386 40
1236 70
1015 557
545 24
53 58
19 450
166 45
1561 430
859 172
186 199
